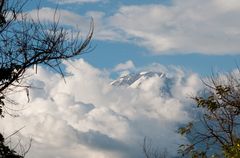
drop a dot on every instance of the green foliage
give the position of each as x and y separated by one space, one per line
186 129
217 133
232 151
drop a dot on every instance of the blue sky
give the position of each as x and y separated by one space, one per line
210 38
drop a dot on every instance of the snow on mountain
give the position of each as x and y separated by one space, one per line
135 79
145 80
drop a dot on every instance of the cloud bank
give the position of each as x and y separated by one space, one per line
88 117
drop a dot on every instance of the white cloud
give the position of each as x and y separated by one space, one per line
190 26
63 16
124 66
79 23
229 5
76 1
88 117
207 26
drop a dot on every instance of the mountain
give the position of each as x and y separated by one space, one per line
136 80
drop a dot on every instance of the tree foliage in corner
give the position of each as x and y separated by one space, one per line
26 43
217 132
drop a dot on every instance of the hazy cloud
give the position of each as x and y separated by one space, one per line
208 27
65 17
190 26
75 1
79 23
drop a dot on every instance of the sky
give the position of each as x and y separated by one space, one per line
85 116
198 36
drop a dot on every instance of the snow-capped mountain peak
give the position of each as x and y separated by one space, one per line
135 79
146 80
